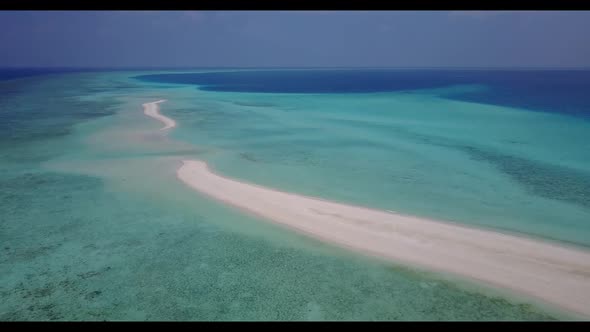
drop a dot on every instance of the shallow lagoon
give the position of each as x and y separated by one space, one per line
95 225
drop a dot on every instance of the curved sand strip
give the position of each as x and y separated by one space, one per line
153 110
546 271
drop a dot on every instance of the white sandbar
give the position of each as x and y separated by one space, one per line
153 110
556 274
546 271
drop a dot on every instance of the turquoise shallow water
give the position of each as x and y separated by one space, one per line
95 226
416 153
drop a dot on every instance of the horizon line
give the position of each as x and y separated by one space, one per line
292 67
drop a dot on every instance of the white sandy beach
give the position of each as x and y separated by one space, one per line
152 110
549 272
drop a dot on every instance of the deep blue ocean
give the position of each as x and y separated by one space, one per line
14 73
557 91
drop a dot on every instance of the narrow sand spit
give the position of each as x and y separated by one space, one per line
558 275
546 271
152 110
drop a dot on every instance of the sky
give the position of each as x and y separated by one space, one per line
294 39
